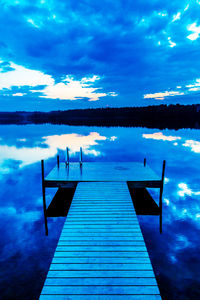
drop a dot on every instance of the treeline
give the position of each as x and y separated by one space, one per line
162 116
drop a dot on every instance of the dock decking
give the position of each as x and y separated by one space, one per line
101 253
134 172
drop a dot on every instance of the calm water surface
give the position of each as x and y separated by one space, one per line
25 252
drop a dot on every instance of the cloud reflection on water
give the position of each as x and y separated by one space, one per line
174 254
49 146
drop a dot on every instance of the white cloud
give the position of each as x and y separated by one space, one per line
67 89
32 22
160 136
113 138
166 180
21 76
19 94
185 190
196 31
74 141
176 17
167 201
186 8
171 44
194 89
195 86
162 95
163 14
193 145
71 89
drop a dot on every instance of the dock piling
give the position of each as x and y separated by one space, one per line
81 157
58 161
67 156
145 161
161 193
44 199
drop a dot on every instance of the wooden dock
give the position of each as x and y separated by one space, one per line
101 253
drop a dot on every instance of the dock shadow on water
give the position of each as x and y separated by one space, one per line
143 202
61 202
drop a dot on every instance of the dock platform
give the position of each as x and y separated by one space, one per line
101 253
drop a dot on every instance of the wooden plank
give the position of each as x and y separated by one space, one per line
102 281
101 297
115 236
110 260
107 290
116 226
106 267
100 254
104 242
101 217
103 234
105 273
101 250
96 239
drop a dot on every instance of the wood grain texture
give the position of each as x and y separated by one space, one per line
103 172
101 253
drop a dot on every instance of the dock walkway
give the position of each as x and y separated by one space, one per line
101 253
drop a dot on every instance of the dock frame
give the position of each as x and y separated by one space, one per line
65 183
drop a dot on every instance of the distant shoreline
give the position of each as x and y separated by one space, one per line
161 116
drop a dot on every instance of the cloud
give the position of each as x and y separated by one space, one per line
171 44
26 155
193 145
176 17
74 142
184 190
71 89
19 94
196 31
21 76
162 95
161 136
68 89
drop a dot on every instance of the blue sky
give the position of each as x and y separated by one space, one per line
79 54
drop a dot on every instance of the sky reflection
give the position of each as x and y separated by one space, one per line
25 252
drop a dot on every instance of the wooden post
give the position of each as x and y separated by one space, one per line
58 161
44 200
161 193
81 157
145 161
67 156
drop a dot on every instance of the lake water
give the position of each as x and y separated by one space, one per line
26 253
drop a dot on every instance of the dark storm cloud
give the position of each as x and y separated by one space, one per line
136 47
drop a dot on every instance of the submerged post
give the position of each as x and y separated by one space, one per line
161 192
67 156
44 200
81 157
145 161
58 161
